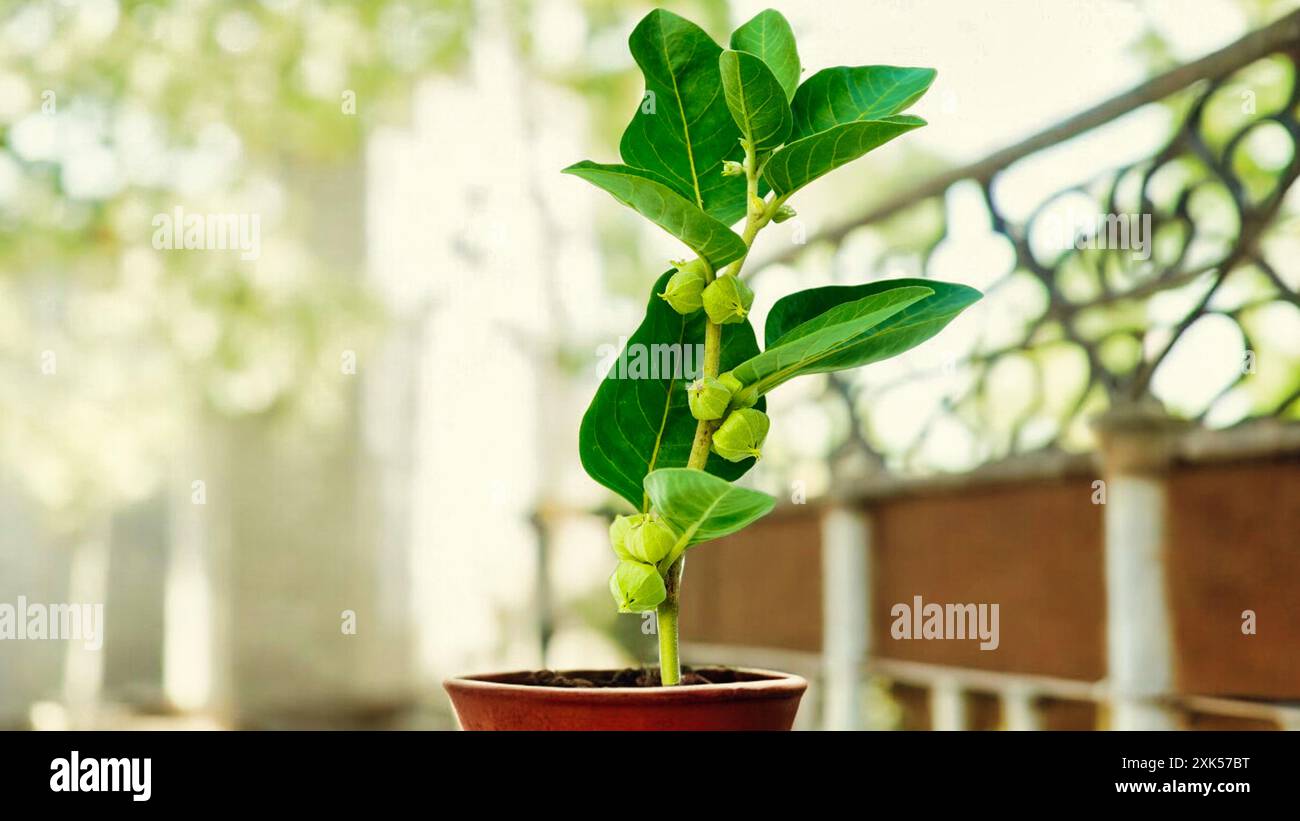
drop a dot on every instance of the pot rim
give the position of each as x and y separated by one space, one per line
773 684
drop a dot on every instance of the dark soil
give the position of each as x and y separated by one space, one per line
628 677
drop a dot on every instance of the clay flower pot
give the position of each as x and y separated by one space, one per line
757 700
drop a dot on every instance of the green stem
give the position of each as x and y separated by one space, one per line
670 668
670 665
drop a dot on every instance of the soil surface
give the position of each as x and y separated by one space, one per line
628 677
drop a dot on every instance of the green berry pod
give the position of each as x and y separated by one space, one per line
727 300
684 291
618 532
650 539
741 435
636 587
708 398
784 213
740 398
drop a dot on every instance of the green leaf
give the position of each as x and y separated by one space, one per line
904 330
648 194
682 130
808 347
802 161
768 37
635 423
756 99
841 95
703 507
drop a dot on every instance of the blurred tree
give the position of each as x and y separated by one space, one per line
114 112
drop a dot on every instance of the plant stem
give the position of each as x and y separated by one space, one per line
670 665
670 669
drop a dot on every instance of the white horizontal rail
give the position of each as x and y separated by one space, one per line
1016 686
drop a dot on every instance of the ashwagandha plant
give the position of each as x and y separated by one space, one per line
720 136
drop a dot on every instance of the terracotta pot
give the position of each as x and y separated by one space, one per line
764 700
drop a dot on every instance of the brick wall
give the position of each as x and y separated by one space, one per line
1036 549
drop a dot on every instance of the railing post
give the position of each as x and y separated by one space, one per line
846 549
1137 446
948 705
1020 708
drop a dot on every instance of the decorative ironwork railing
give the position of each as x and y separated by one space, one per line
1183 288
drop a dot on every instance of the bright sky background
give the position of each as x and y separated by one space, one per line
1007 68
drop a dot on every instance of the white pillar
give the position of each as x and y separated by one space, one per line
1020 708
83 666
196 585
32 565
947 705
1137 444
846 545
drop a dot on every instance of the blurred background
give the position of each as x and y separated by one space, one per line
309 480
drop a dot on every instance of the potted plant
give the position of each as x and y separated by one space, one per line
720 136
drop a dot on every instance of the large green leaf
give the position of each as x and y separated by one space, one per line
768 37
807 347
701 506
836 96
802 161
904 330
639 419
756 99
682 129
653 199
